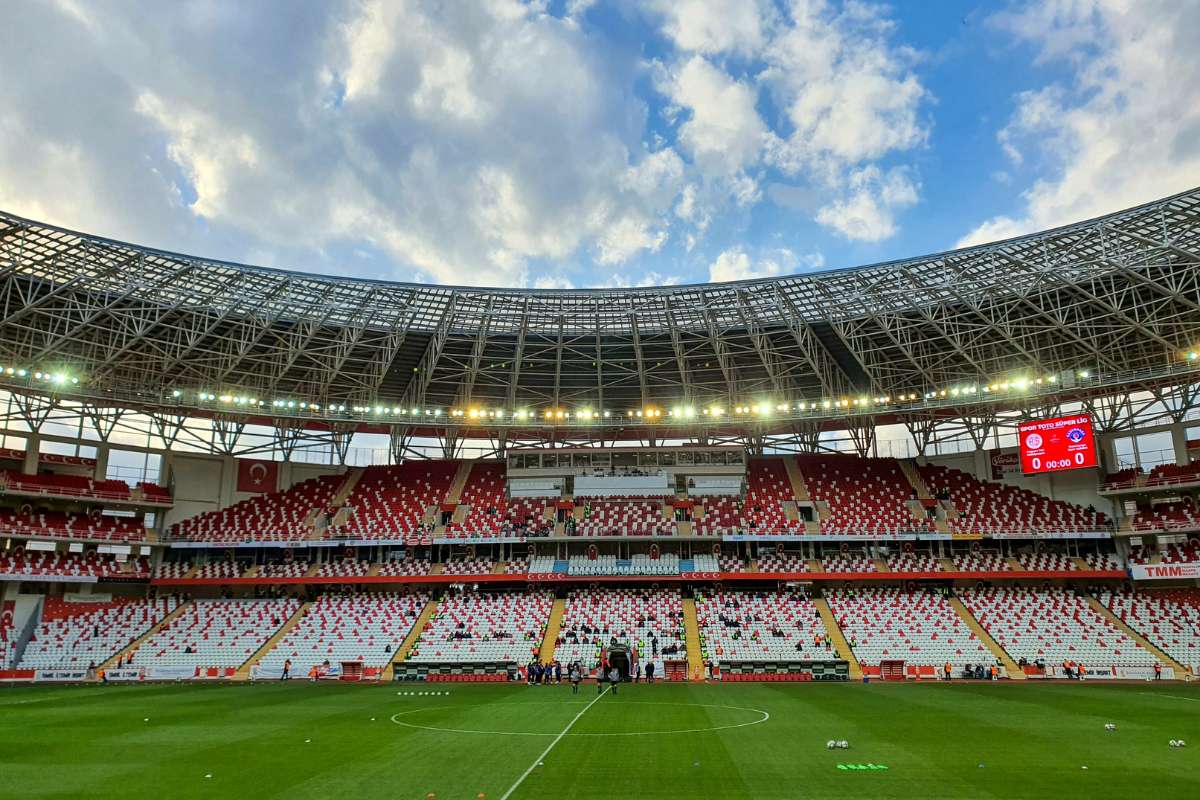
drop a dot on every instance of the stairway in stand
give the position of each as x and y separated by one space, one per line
132 647
691 628
834 632
1146 644
243 672
553 626
1014 672
410 641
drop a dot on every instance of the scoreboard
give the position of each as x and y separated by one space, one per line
1056 445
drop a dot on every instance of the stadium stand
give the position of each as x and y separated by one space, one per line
849 562
865 496
1103 561
1054 625
1168 618
758 626
991 508
1046 562
1174 516
285 569
650 619
34 564
62 525
623 516
913 562
215 633
47 484
722 515
485 627
734 564
485 493
767 488
400 567
367 628
78 635
274 516
220 569
391 502
982 561
782 562
1173 474
920 628
462 565
344 568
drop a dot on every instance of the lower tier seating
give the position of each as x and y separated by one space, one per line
758 626
216 633
1055 625
919 628
367 628
1168 618
651 620
79 635
485 627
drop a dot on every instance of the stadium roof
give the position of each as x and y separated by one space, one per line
1115 296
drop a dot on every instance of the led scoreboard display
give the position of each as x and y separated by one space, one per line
1054 445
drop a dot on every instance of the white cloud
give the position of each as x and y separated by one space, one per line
714 26
1124 130
867 212
723 133
735 264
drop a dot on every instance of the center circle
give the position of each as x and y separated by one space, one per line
759 717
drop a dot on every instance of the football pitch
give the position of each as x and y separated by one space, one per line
664 741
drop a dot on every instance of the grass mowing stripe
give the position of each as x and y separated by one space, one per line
550 747
1172 696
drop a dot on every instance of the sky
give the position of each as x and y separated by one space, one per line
587 143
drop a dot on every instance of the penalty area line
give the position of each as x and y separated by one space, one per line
1172 696
550 746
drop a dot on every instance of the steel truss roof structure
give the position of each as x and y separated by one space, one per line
1117 296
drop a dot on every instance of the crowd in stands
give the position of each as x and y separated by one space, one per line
649 619
759 626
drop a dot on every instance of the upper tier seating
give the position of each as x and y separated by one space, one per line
1103 561
480 627
77 635
1122 478
990 508
462 565
36 564
624 517
1052 624
920 628
1170 554
705 562
485 493
758 626
785 562
1174 516
865 495
913 562
517 566
59 525
220 569
82 486
216 633
285 569
650 619
1169 618
7 634
390 502
849 562
172 569
767 488
542 564
722 515
1173 474
405 567
367 628
526 516
733 564
344 568
1046 562
983 561
274 516
641 564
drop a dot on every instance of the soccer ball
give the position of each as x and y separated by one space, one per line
1110 727
830 744
843 744
1182 743
1173 743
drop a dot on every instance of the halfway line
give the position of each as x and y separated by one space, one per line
550 747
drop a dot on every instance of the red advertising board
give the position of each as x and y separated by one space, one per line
1055 445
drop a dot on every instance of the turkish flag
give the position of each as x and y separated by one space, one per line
257 476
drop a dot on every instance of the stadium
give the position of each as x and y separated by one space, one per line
251 514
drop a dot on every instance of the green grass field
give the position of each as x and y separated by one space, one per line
738 741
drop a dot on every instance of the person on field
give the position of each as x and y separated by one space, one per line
614 677
1157 671
287 670
601 677
576 675
946 670
650 672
